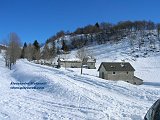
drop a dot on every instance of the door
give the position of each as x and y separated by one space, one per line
102 75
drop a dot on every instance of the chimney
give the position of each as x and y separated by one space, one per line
122 63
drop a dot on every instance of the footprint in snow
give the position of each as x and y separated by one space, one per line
4 115
45 116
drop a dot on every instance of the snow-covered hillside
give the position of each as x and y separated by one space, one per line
146 39
70 96
146 63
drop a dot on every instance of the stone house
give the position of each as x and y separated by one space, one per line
118 71
90 63
77 63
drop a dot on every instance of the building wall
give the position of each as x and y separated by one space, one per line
137 81
70 64
120 75
103 71
91 65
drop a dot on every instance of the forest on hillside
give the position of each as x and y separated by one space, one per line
99 33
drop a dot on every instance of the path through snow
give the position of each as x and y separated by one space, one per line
70 96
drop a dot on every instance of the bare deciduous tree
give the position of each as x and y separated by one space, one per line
46 53
29 52
132 39
37 55
5 54
13 51
82 54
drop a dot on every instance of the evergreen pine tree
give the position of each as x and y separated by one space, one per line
36 50
23 50
97 24
36 45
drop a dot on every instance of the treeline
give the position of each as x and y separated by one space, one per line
99 33
102 32
31 52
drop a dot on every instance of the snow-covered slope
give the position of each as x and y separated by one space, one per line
68 95
146 64
71 96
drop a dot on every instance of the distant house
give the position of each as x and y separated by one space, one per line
118 71
91 63
77 63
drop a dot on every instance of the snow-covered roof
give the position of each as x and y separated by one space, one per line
75 60
117 66
70 60
91 60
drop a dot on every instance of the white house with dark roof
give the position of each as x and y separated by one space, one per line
118 71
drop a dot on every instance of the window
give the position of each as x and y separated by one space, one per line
114 72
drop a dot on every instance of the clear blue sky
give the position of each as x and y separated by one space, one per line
40 19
